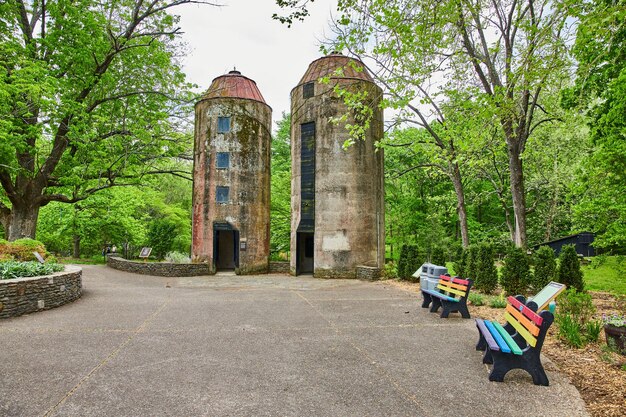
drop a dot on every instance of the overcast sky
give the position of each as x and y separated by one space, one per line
242 34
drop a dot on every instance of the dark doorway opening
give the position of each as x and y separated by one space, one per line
305 250
225 247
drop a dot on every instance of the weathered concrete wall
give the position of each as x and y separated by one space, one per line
160 269
249 145
28 295
349 184
279 267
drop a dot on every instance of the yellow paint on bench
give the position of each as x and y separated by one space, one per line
451 290
454 285
532 327
530 339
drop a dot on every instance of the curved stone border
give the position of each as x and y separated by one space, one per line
161 269
28 295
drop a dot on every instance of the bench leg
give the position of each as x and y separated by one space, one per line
436 303
464 311
488 357
504 362
427 299
482 342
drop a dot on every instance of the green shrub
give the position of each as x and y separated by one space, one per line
476 299
161 237
579 305
15 269
472 260
460 266
486 275
498 302
545 268
515 272
390 271
570 330
21 249
177 258
403 259
438 256
592 330
569 272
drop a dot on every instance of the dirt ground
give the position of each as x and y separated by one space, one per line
597 373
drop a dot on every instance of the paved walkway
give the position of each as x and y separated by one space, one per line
255 346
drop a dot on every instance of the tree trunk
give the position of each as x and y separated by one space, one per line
23 222
519 196
76 246
460 202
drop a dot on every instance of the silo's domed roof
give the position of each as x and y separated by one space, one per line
327 65
234 85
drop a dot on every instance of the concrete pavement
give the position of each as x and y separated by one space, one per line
271 345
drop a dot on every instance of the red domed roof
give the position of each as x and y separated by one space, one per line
234 85
327 65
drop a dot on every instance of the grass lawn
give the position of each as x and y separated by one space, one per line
609 276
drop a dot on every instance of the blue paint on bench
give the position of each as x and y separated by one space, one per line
499 340
442 296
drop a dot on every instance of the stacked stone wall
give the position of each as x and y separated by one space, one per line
161 269
368 273
28 295
279 267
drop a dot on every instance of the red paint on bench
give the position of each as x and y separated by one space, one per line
454 279
525 310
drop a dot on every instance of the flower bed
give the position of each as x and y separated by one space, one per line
28 295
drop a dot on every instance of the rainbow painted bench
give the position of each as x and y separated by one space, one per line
450 294
517 345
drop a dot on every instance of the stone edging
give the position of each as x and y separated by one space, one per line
28 295
161 269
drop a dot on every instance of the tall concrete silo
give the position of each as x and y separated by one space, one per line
337 195
231 191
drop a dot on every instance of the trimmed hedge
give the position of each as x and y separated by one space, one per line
515 272
545 268
569 272
486 275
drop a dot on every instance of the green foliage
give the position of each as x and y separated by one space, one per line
460 266
409 262
476 299
486 276
403 261
574 318
569 272
606 276
545 268
471 268
577 304
438 256
280 204
570 331
592 330
498 302
177 258
390 271
515 274
161 237
15 269
21 249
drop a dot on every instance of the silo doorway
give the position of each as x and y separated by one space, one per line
305 251
225 247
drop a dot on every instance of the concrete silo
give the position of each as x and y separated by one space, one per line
231 191
337 195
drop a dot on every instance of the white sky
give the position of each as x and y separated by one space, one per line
243 34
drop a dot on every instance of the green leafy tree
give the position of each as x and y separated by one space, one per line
90 97
569 272
161 237
516 275
280 205
486 277
498 57
545 267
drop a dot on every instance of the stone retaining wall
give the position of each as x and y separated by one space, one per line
369 273
28 295
277 267
161 269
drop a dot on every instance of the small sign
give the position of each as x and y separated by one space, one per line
39 257
243 245
145 252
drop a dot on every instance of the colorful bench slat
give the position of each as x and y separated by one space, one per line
451 294
529 338
454 279
504 347
528 324
525 310
451 290
523 348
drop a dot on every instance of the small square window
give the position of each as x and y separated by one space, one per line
223 124
222 194
308 90
222 161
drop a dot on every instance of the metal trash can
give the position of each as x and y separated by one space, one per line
422 273
434 271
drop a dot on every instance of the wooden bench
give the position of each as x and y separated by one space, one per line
519 347
451 294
